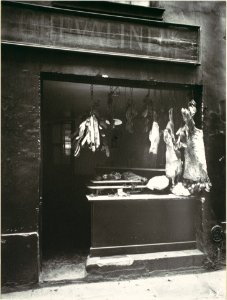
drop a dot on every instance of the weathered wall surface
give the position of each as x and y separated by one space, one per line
21 106
211 17
21 151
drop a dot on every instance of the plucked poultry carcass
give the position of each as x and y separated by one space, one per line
89 133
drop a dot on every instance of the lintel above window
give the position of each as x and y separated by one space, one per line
113 8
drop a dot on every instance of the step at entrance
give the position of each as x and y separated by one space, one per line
143 263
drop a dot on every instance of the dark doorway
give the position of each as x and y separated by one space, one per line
66 214
65 222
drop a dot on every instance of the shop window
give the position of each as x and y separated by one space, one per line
126 144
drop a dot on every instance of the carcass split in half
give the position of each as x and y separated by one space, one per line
173 156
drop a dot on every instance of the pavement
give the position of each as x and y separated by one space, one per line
193 286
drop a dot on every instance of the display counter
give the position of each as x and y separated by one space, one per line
142 223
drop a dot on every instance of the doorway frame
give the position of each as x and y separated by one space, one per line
99 80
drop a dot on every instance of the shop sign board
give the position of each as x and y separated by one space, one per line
61 29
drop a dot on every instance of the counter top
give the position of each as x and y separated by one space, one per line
136 197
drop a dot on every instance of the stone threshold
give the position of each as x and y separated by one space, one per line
142 263
128 267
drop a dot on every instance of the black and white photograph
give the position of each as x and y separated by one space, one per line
113 144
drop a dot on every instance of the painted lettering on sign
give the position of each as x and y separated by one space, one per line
76 33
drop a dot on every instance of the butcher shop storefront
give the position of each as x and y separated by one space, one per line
104 142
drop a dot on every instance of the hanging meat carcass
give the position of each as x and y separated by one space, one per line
173 157
147 112
131 113
195 168
89 133
154 137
